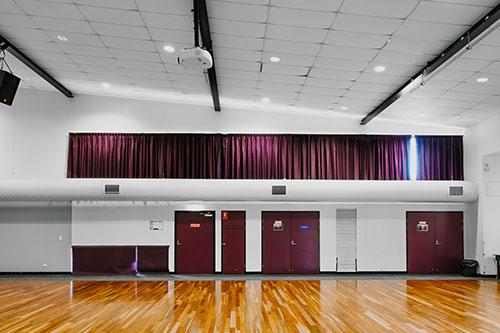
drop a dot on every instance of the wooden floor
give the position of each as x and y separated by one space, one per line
250 306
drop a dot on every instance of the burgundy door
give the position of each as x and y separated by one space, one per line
449 242
195 242
276 252
233 242
305 242
421 242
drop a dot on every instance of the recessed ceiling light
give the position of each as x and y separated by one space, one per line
275 59
169 48
344 108
379 68
105 85
265 99
482 79
62 38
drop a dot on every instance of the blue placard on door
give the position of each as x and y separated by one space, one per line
304 227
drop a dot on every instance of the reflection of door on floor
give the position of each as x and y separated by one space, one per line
195 242
435 242
290 242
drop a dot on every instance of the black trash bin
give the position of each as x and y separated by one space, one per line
468 267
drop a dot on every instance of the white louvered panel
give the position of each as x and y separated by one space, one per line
346 240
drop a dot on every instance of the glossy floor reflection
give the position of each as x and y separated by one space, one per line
249 306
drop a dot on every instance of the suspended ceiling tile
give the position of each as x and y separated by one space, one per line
120 30
356 39
276 77
493 68
237 42
320 5
291 47
431 30
237 54
247 29
181 7
238 65
447 13
340 64
237 11
62 25
334 74
164 21
168 36
320 82
9 6
134 55
50 9
17 20
115 4
301 18
347 52
382 8
295 34
128 44
107 15
288 59
366 24
478 88
471 65
469 97
484 52
417 46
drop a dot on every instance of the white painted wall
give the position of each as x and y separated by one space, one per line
35 238
381 228
481 143
34 131
33 145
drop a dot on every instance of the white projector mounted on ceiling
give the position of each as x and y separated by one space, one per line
195 58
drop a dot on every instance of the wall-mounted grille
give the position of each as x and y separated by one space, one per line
112 189
456 191
279 190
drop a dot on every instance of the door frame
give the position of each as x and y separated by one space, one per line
433 212
287 211
244 239
175 234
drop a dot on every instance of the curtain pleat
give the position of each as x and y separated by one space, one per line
260 156
440 158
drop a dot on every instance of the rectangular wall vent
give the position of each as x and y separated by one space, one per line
279 190
111 189
456 191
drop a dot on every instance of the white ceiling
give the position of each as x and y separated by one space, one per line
328 50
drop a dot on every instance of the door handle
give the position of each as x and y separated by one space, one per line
223 244
293 243
178 243
438 243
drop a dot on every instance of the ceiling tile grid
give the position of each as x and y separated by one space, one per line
328 50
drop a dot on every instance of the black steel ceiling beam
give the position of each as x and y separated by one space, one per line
6 45
206 40
477 32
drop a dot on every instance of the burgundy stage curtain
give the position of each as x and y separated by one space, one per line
440 158
366 157
115 155
238 156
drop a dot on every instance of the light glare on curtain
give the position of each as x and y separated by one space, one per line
413 158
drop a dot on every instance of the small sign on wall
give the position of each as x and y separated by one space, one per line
422 226
194 225
156 225
278 226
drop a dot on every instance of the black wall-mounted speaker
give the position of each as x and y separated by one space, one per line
8 87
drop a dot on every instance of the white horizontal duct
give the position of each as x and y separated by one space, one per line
237 190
